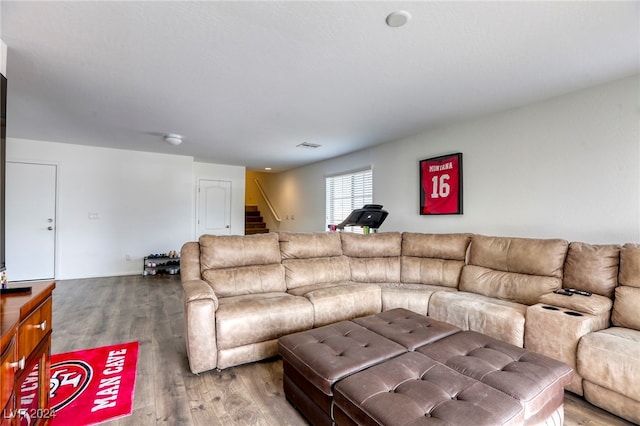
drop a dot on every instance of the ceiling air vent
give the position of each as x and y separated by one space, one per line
308 145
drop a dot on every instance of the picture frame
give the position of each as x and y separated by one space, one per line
441 185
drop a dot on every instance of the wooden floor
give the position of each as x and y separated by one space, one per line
105 311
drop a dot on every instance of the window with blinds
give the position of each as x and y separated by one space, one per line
346 193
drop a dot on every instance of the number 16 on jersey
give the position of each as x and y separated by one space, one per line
441 185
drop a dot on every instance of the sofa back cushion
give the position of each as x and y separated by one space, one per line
630 265
627 295
514 269
228 251
434 259
236 265
592 268
436 246
244 280
303 272
305 245
373 258
312 258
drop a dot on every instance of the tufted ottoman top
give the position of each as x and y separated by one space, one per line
326 354
408 328
414 389
535 380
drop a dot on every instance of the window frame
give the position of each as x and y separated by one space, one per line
344 193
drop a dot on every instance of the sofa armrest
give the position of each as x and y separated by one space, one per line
199 290
200 306
190 261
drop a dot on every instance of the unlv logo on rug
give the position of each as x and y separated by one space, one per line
68 380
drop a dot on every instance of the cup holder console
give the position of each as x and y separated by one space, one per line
551 308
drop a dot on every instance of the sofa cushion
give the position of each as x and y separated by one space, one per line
630 265
228 251
246 280
436 246
626 308
375 270
385 244
499 319
243 320
305 245
611 358
514 269
304 272
514 287
373 258
343 302
520 255
414 297
592 268
417 270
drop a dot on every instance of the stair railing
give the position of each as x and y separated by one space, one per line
266 199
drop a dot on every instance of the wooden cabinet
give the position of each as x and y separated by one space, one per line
7 369
26 350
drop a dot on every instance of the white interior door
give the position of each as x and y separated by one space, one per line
30 221
214 207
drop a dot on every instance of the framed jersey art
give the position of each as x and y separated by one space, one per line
441 185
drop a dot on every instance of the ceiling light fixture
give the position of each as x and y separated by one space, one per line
173 139
398 19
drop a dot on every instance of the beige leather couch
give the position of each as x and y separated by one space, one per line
241 293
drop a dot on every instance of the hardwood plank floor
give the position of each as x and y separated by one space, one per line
105 311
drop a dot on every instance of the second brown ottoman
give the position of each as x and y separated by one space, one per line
413 389
314 360
535 380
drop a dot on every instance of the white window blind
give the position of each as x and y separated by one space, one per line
346 193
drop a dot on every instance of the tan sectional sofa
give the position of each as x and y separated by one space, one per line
241 293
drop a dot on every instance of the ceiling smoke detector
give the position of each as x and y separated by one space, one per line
398 19
308 145
173 139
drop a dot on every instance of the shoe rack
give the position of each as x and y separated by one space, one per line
161 264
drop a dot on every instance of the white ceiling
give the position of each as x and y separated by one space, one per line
245 82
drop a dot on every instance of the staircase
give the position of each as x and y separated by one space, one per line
253 223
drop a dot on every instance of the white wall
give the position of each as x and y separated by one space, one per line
3 58
145 204
567 168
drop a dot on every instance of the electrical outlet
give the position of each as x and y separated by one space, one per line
127 257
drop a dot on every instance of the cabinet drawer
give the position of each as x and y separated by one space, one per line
7 372
34 328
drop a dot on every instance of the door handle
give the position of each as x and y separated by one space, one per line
50 228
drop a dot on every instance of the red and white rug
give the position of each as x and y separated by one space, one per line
92 386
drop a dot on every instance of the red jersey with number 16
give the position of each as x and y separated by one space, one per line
440 185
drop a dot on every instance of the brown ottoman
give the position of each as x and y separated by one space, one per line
408 328
413 389
535 380
314 360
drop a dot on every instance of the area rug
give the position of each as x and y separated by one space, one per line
92 386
